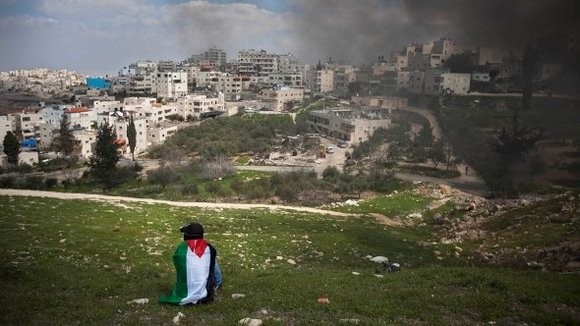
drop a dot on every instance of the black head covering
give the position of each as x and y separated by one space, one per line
192 231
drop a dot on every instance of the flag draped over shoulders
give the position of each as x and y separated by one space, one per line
194 262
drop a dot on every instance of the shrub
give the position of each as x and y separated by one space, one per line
7 182
50 182
25 168
190 189
35 182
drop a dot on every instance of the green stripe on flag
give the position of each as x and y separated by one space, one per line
180 290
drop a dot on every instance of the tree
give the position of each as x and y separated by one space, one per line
11 147
514 148
163 176
103 163
330 173
437 153
239 188
213 188
132 137
65 141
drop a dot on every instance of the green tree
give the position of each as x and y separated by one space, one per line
65 141
213 188
514 148
132 137
239 188
103 163
330 173
11 147
163 176
437 153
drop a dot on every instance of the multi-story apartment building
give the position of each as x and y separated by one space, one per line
257 63
281 99
282 79
195 105
353 125
171 85
7 123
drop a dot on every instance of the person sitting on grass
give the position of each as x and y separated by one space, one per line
198 273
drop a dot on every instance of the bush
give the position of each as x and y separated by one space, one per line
190 189
163 176
35 182
50 182
25 168
7 182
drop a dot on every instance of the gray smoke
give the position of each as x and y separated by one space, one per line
363 29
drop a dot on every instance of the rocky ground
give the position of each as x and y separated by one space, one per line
539 232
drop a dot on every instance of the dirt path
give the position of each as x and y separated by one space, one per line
469 181
96 197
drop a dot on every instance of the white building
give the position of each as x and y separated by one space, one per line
455 83
159 133
195 105
402 80
349 124
107 106
28 157
324 81
171 85
7 124
81 117
85 141
122 124
280 99
258 63
27 122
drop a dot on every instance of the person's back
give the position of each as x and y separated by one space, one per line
198 274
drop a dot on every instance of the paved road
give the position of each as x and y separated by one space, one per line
96 197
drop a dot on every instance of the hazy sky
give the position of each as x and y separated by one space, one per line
101 36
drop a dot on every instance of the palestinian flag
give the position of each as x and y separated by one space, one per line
194 262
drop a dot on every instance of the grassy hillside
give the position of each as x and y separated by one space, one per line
65 262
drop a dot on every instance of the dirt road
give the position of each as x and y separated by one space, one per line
96 197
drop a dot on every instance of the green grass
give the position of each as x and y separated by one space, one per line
60 263
242 160
399 204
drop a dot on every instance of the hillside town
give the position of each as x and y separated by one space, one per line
163 96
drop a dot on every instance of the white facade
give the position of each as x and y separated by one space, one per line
47 133
107 106
259 63
121 126
402 79
6 124
85 141
345 124
81 118
277 99
28 122
455 83
159 133
324 81
194 105
171 85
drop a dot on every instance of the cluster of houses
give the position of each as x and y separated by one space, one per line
207 85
